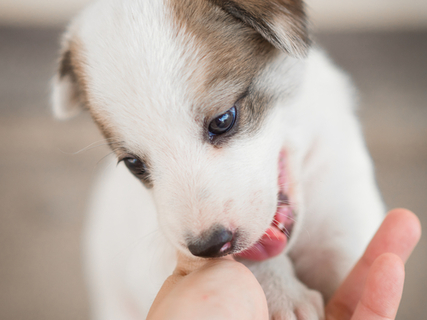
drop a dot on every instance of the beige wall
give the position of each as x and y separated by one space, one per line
38 12
368 14
326 14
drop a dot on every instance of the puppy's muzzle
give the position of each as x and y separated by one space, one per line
212 243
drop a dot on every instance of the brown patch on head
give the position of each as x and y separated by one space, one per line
71 68
255 107
229 50
281 22
230 55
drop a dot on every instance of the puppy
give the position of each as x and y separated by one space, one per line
234 135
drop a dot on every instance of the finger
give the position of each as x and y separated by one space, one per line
398 234
383 290
185 266
221 289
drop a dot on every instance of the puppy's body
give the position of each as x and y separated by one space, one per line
154 74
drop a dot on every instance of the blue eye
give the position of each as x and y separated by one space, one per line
136 166
223 123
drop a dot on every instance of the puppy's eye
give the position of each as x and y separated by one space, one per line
223 123
136 166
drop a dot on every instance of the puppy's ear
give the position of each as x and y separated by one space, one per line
282 22
67 94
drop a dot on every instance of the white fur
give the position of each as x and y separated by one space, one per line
146 95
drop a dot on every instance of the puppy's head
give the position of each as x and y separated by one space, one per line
187 94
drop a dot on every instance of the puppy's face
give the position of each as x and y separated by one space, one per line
187 94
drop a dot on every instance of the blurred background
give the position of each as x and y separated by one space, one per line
45 180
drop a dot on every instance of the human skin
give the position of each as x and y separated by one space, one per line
226 289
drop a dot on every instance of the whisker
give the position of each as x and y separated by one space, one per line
288 217
104 157
136 242
93 145
266 233
286 205
285 230
275 233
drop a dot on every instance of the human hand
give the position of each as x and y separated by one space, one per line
373 289
210 289
225 289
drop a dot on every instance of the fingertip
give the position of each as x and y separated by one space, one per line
406 219
407 215
403 214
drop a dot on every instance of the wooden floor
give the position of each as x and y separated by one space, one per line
44 180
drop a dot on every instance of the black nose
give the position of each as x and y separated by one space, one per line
213 243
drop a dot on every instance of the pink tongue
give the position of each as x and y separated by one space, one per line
271 244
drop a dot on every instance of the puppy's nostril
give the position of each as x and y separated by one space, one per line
214 243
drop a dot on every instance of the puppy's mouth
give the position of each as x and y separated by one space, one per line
276 237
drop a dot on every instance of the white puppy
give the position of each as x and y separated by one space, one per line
242 138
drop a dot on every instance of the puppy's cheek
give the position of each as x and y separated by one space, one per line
171 229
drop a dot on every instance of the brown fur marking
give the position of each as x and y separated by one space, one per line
231 55
72 67
267 15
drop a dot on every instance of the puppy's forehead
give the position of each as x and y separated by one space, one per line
229 52
169 59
